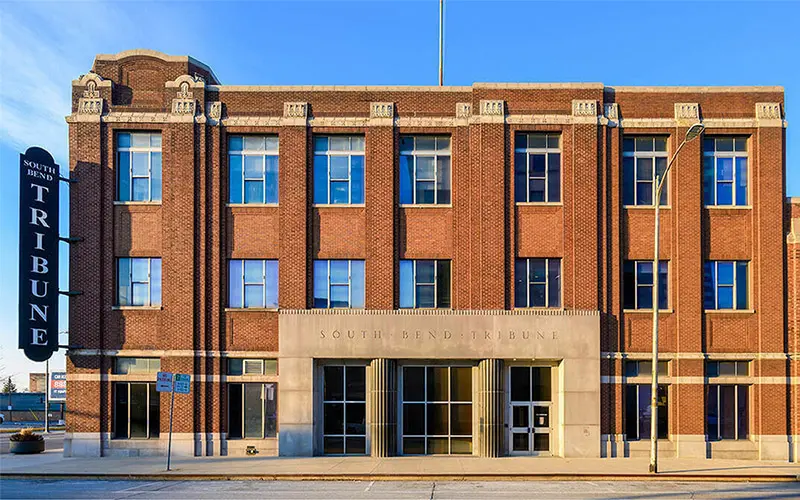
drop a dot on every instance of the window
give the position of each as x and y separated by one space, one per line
339 170
636 368
638 411
138 166
424 170
239 366
537 168
136 410
725 285
344 410
437 410
253 165
252 410
644 159
253 283
425 284
726 411
727 368
139 282
638 284
128 366
537 283
725 171
338 283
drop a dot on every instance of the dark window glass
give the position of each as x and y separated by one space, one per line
438 419
334 383
437 383
520 384
414 446
541 384
235 411
414 383
121 411
253 411
443 284
355 445
356 383
138 410
727 412
461 384
155 410
333 445
333 418
461 419
414 419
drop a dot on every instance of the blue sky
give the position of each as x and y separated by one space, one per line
43 46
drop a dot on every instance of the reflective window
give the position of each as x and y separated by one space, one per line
725 284
725 171
338 283
128 366
425 170
136 411
425 284
138 166
644 161
634 368
727 412
727 368
637 282
344 419
537 283
252 410
638 411
253 284
240 366
139 282
339 170
537 168
437 410
253 167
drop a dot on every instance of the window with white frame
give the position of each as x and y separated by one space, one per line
644 161
424 284
338 283
252 410
344 410
139 166
537 283
253 166
637 283
725 284
138 282
339 170
725 171
253 284
537 168
425 170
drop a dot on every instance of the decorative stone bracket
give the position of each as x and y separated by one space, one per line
768 114
584 111
381 110
687 113
295 113
214 112
91 103
463 109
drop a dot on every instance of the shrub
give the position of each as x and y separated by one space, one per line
26 435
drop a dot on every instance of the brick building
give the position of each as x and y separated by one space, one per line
427 270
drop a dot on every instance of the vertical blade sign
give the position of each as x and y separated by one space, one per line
38 254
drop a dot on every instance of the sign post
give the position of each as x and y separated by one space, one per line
172 383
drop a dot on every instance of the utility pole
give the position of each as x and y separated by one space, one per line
47 396
441 43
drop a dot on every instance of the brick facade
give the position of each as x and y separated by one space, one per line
195 232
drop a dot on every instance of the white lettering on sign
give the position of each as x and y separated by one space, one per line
164 382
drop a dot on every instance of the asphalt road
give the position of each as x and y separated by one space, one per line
422 490
53 441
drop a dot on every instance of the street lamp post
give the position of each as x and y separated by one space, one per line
691 134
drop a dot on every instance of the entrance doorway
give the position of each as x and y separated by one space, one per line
530 410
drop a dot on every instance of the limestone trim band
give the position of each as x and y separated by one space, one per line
744 356
134 353
621 379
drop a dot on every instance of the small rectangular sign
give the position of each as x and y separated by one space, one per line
164 382
182 383
58 386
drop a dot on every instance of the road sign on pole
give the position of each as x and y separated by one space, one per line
164 382
182 383
172 383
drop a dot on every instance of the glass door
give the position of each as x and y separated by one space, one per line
520 429
530 409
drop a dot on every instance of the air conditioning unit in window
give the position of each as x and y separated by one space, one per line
253 367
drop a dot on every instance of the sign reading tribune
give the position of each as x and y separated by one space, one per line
38 254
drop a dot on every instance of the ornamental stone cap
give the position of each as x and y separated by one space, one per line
158 55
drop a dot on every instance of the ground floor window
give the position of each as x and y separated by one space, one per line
344 410
726 412
638 414
437 410
136 410
252 410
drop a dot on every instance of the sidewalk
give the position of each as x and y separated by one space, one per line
52 464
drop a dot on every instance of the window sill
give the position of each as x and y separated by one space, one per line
251 309
145 203
243 205
646 207
420 205
729 311
539 203
540 308
136 308
647 311
728 207
338 205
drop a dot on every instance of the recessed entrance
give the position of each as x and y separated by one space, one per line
530 410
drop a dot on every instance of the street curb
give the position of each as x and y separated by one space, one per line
34 429
776 478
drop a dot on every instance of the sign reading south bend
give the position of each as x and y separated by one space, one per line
38 254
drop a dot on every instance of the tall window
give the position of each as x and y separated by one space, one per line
253 165
643 158
138 282
253 283
136 412
437 410
252 410
537 283
425 170
425 283
638 414
138 166
338 283
339 170
537 168
725 171
638 284
725 284
726 411
344 410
